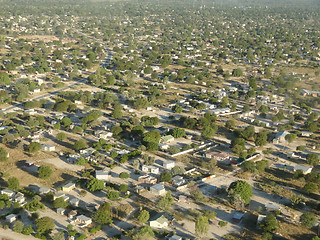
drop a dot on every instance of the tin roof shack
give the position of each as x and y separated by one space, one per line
271 207
151 169
305 169
166 139
219 156
237 217
280 137
61 211
48 148
158 189
8 192
147 179
68 187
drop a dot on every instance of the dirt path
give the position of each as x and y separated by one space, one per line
10 235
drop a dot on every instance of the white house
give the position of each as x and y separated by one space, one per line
280 137
84 220
169 164
8 192
68 187
158 189
304 169
61 211
48 148
11 218
102 175
161 220
151 169
87 151
74 202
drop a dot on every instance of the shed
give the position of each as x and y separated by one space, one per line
74 202
168 164
8 192
11 218
102 175
158 189
237 217
61 211
68 187
48 148
84 220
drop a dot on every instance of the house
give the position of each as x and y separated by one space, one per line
74 202
29 163
103 134
58 195
11 218
306 134
44 190
8 192
68 187
304 169
87 151
61 211
102 175
158 189
175 237
270 207
19 198
48 148
83 220
182 198
151 169
72 214
280 137
237 217
166 139
164 147
178 181
147 179
168 164
161 220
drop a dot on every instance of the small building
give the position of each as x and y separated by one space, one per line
161 220
72 214
182 198
166 139
74 202
29 163
151 169
306 134
237 217
8 192
168 164
158 189
58 195
220 156
260 218
83 220
44 190
11 218
87 151
270 207
147 179
175 237
102 175
68 187
178 181
280 137
304 169
19 198
61 211
48 148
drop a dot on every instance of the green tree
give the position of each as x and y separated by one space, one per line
230 124
124 175
60 203
202 225
61 136
27 230
45 225
237 72
178 132
13 184
177 109
240 190
165 202
113 195
80 144
165 176
313 159
310 187
103 215
261 138
18 226
34 147
44 172
95 185
143 216
208 132
308 220
3 155
123 188
269 223
290 137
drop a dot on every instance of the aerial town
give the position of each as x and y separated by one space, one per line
171 120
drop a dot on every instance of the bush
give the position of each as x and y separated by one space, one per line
124 175
44 172
223 223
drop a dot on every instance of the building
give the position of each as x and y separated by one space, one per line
8 192
166 139
175 237
19 198
270 207
151 169
72 214
102 175
11 218
237 217
147 179
87 151
168 164
158 189
48 148
306 134
280 137
220 156
61 211
44 190
83 220
58 195
161 220
74 202
68 187
304 169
